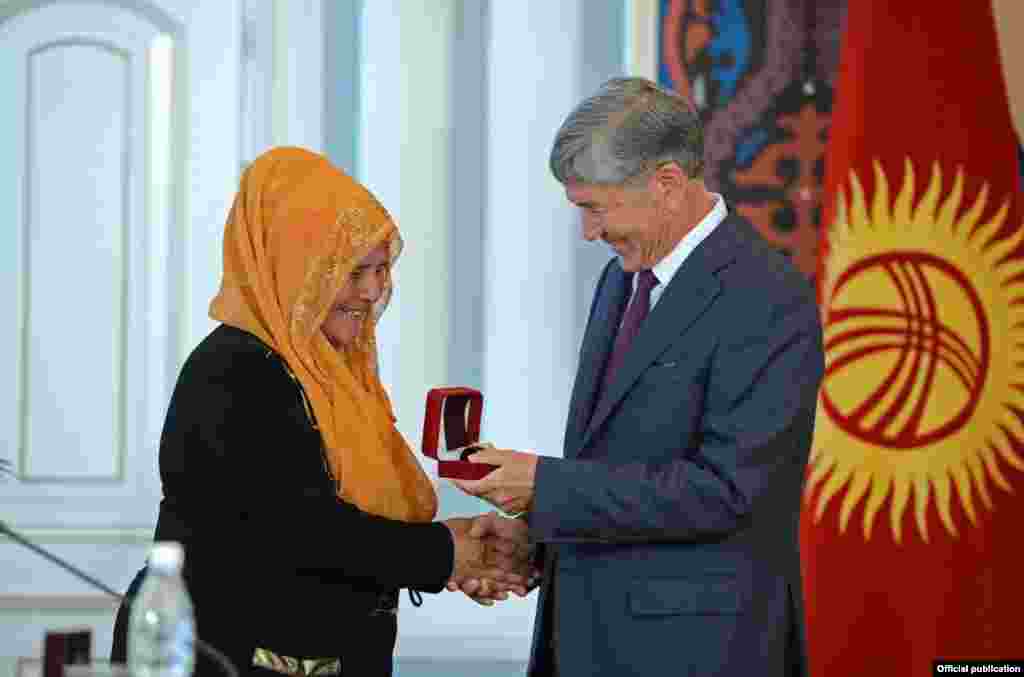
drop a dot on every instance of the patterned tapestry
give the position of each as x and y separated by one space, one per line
761 73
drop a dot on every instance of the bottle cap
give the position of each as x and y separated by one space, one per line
167 556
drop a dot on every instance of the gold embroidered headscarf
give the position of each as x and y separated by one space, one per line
297 229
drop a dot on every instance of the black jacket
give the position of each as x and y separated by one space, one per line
272 558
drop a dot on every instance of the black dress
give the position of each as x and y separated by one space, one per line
273 559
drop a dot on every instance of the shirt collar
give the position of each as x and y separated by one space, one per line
666 268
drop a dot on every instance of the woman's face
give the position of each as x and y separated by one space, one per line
354 303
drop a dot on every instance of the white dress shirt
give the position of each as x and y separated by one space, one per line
665 269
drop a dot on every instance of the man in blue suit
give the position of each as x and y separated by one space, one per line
668 532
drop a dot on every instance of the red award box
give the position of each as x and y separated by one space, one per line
460 410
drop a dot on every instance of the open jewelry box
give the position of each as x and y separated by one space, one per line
454 413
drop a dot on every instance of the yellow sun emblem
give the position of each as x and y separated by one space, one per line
924 340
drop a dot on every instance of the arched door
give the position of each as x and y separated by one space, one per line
120 138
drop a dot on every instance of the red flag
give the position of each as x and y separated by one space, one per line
911 532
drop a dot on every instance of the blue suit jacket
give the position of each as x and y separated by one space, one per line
674 513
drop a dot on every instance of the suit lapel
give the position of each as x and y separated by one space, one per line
689 294
612 295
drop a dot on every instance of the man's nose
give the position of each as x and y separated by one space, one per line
592 229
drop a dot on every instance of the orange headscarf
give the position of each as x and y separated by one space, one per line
297 229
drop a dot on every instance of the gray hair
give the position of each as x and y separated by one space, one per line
629 126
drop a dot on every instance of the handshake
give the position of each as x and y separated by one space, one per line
492 558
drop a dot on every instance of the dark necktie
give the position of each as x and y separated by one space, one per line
638 308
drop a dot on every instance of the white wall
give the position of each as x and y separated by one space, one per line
123 130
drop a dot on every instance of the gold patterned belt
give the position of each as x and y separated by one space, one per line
296 667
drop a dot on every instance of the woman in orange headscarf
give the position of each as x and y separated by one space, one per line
301 507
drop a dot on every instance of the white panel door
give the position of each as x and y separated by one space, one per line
120 142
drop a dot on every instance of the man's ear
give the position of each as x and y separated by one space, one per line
670 184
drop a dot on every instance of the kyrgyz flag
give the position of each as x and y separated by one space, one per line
913 525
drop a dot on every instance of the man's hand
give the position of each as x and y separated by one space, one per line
502 566
506 536
508 487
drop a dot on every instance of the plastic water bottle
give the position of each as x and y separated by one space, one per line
161 627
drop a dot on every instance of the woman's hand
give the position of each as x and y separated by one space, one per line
505 545
490 566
